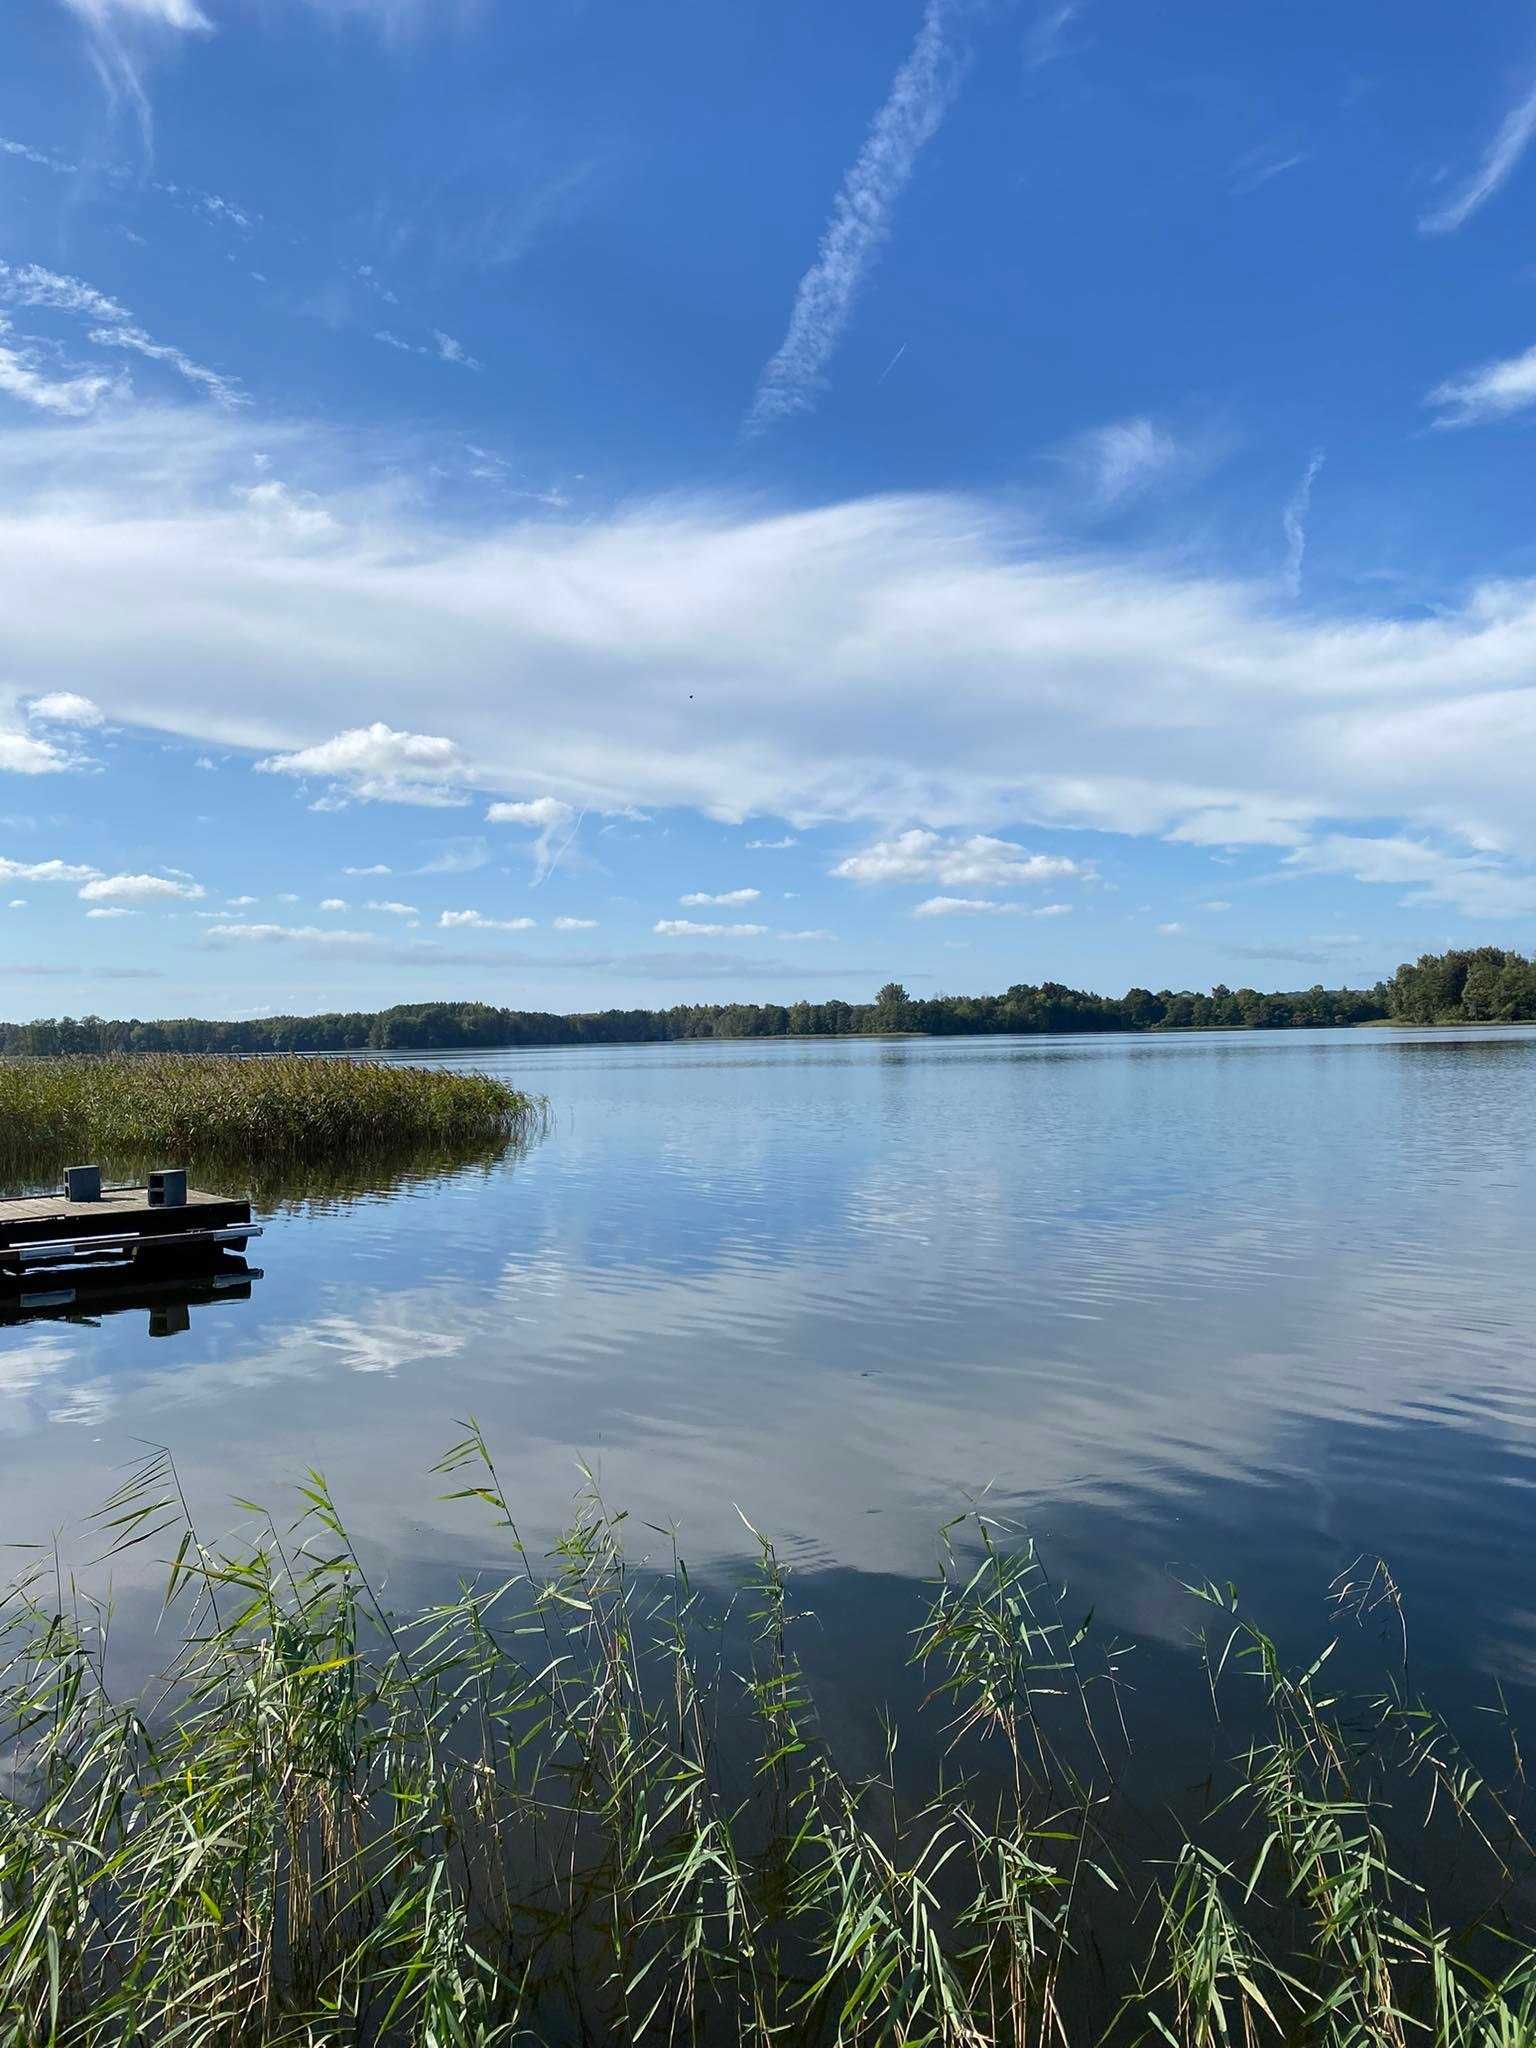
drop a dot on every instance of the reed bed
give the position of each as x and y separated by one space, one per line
178 1107
581 1803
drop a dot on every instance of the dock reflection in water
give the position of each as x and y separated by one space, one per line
167 1295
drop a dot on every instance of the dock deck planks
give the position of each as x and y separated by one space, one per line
123 1216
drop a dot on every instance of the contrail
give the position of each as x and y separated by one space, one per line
920 97
1294 520
548 866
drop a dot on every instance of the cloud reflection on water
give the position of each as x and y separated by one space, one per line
1251 1300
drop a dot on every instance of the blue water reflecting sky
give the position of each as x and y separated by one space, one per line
1239 1304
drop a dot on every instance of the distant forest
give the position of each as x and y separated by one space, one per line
1483 986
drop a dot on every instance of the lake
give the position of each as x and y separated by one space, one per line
1235 1305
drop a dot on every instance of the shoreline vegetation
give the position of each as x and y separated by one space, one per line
247 1115
1484 985
584 1800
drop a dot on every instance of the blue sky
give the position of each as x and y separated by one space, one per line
588 504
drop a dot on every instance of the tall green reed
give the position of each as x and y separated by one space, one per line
249 1115
585 1801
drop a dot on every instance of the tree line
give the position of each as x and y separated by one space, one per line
1025 1007
1484 985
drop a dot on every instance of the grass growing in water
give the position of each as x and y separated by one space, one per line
132 1109
579 1805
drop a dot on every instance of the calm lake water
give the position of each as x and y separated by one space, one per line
1234 1305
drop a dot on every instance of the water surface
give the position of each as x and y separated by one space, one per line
1238 1304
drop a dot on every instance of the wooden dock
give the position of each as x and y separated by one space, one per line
120 1226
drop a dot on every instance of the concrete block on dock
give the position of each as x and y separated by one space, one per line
82 1183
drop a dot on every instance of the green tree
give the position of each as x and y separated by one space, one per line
893 1008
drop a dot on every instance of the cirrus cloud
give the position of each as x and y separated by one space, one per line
23 375
1082 687
1503 153
1495 391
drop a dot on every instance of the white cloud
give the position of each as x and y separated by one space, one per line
1293 521
1122 459
1044 41
1493 392
1216 903
701 897
1475 884
394 909
1499 160
451 351
217 386
333 903
685 928
375 764
40 157
771 845
112 910
542 811
282 934
1170 931
179 14
551 816
983 906
575 924
444 349
919 98
1082 686
1256 822
22 754
237 903
29 284
45 871
921 856
65 707
806 935
460 856
296 513
140 889
70 397
378 868
473 920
